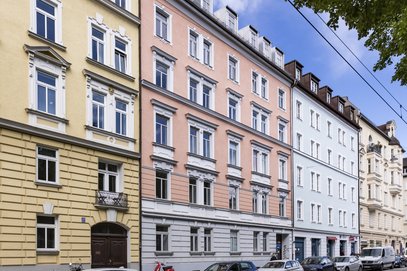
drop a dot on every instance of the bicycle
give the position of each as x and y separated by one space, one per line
163 267
75 267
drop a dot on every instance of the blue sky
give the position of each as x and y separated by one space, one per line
284 26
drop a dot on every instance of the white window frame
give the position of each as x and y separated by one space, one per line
233 193
170 69
259 168
210 64
47 158
54 226
163 233
208 240
260 113
299 176
232 58
283 131
298 110
164 13
118 174
314 86
110 107
168 114
282 168
127 4
300 210
255 82
281 99
299 141
264 95
58 19
200 88
201 130
329 130
313 214
194 245
330 182
232 248
238 105
123 39
235 140
330 216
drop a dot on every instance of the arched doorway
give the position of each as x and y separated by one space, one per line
109 245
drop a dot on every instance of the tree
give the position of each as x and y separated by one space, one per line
382 22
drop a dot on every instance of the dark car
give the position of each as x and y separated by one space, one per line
400 261
318 263
232 266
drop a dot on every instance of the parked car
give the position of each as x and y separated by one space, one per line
318 263
110 269
377 257
232 266
282 265
400 261
348 263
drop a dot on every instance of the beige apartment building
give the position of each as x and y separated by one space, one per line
381 186
69 134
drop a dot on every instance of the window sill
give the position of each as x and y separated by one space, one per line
235 167
201 157
49 184
46 115
261 174
209 253
257 253
110 69
47 252
163 40
163 146
195 253
283 181
163 253
51 43
235 253
98 130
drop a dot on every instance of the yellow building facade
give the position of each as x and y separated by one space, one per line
69 134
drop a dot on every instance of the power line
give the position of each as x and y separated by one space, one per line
360 61
350 65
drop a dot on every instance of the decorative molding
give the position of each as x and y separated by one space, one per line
110 134
48 208
189 116
163 160
283 119
125 13
262 108
261 186
46 53
46 115
237 94
110 69
202 157
261 145
232 133
167 107
109 82
201 173
163 54
51 43
199 74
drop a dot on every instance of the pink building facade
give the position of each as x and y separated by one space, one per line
216 154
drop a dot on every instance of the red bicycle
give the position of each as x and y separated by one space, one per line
163 267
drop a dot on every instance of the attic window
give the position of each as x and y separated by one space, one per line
314 86
352 115
231 21
206 5
298 74
253 38
328 97
340 107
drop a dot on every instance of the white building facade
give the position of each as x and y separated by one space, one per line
325 170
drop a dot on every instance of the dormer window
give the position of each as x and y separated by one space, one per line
279 59
352 116
328 97
206 5
253 38
314 86
231 21
297 74
340 107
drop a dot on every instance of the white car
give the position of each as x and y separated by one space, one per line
282 265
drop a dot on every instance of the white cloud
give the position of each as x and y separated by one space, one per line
249 6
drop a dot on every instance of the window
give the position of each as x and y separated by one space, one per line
233 67
352 166
161 129
313 213
46 16
297 74
329 157
46 233
161 184
162 21
344 219
121 3
312 118
98 45
328 123
330 221
343 138
281 205
47 165
121 117
255 206
314 86
299 110
194 244
233 153
233 197
299 141
339 160
329 187
328 98
260 161
207 240
253 38
234 243
319 214
161 75
207 53
299 176
340 190
161 238
313 182
264 203
299 210
193 44
192 190
256 236
282 172
352 141
260 120
46 93
108 177
282 131
234 107
279 59
265 239
98 110
317 121
231 22
318 183
201 91
207 194
317 147
264 88
281 99
340 107
206 150
200 142
255 77
339 136
120 55
353 220
312 149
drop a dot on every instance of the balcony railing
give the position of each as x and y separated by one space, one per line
114 200
376 148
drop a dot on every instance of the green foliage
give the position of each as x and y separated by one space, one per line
382 22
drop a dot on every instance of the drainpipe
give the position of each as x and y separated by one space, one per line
292 171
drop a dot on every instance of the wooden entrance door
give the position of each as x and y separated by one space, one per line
108 247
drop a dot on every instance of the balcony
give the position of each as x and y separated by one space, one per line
111 200
374 204
374 148
394 189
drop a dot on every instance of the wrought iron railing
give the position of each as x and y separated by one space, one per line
111 199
